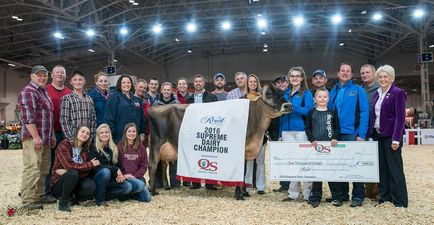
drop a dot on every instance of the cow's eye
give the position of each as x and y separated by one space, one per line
269 94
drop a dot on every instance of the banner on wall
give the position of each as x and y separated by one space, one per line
211 144
427 136
348 161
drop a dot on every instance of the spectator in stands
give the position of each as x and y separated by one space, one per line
387 127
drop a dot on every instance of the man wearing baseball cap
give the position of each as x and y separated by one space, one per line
37 136
219 84
282 82
319 79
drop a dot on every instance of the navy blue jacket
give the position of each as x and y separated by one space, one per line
99 103
121 110
353 108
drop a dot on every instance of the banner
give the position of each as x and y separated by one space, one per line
427 136
349 161
212 142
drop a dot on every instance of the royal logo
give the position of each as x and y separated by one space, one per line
213 120
207 165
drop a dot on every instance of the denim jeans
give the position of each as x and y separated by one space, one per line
358 192
106 189
139 190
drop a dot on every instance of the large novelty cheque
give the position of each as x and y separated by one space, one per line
300 161
212 142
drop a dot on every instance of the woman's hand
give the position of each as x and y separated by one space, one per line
129 176
95 162
120 178
334 142
395 146
61 171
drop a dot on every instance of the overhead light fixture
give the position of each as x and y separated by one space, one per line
135 3
265 50
349 31
90 33
418 13
265 45
341 44
431 46
14 17
298 21
91 50
58 35
263 33
261 23
377 16
19 19
191 27
157 28
363 12
131 1
189 51
11 64
123 31
336 19
226 25
176 39
115 60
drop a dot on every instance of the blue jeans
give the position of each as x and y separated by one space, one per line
139 190
105 189
358 192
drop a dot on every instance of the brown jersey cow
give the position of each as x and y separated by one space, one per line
165 122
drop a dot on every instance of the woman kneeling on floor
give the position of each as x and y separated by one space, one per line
109 180
71 169
134 163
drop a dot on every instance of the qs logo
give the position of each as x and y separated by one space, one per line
322 148
207 165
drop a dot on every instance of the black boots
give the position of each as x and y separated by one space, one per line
64 204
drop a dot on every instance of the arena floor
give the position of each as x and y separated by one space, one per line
187 206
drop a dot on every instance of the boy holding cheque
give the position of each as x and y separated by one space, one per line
322 124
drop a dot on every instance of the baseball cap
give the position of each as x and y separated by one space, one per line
320 72
281 78
217 75
38 68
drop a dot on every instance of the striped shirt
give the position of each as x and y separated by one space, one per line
36 108
77 111
235 94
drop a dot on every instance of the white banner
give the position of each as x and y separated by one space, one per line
349 161
212 142
427 136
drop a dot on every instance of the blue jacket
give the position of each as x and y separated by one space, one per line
352 107
120 110
302 105
99 102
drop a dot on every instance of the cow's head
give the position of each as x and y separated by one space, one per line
273 97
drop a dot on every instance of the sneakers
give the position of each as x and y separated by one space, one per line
104 203
356 203
314 204
29 208
288 199
281 189
337 203
261 192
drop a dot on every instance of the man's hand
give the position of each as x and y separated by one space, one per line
37 142
334 142
53 140
95 162
360 139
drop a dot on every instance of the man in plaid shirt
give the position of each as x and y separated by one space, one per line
77 109
241 90
37 136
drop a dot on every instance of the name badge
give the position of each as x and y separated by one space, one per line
137 104
352 93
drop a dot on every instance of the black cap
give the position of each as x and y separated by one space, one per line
281 78
38 68
320 72
217 75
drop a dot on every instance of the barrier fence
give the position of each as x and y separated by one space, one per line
419 137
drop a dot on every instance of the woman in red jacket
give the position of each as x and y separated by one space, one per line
71 168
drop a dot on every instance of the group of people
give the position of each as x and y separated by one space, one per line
81 145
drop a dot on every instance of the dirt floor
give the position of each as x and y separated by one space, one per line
187 206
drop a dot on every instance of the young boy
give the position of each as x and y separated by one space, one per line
321 125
